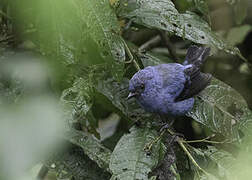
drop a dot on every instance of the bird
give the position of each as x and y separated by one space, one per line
169 89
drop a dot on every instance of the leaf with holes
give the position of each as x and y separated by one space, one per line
222 109
164 16
129 160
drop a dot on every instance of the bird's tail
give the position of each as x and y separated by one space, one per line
196 55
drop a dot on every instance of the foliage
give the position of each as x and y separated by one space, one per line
97 45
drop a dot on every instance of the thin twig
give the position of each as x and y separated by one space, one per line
149 145
200 140
131 56
153 42
190 156
169 46
207 141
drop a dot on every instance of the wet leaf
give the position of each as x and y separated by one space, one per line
79 97
222 109
218 163
129 160
78 101
163 15
75 164
75 32
91 147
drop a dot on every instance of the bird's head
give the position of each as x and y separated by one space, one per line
138 82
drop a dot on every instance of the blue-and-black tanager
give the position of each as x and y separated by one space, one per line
169 89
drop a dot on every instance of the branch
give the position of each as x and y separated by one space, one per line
169 46
153 42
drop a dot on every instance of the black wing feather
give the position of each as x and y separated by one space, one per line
196 55
197 80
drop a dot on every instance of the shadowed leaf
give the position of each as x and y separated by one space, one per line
129 160
75 164
78 101
91 147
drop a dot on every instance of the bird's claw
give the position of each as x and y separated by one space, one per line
166 126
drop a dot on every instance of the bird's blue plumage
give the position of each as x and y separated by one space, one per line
159 88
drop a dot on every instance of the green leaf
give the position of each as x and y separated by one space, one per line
103 27
78 101
91 147
163 15
129 160
75 32
74 164
79 97
217 162
222 109
237 35
202 6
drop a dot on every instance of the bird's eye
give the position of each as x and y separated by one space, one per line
142 86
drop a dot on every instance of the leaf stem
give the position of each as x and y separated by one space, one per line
169 46
149 145
207 141
181 144
131 56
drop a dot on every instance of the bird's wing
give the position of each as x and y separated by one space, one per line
196 55
196 82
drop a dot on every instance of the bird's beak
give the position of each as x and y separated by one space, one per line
131 95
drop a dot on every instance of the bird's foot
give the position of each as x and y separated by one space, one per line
165 126
175 137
